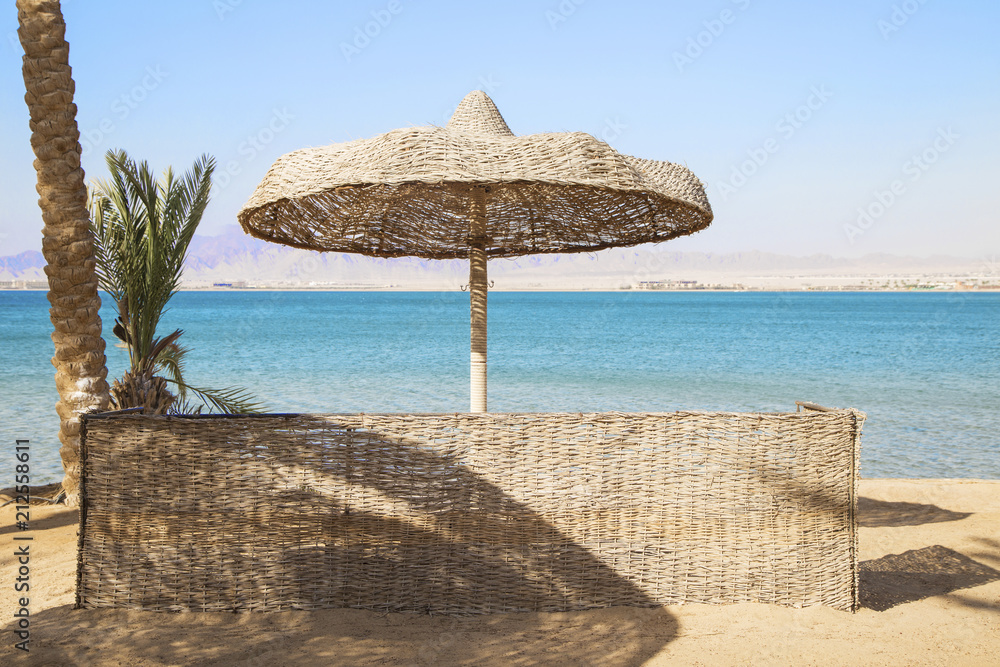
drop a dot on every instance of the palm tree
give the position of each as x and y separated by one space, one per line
143 227
67 243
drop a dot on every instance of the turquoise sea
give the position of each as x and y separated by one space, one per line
925 367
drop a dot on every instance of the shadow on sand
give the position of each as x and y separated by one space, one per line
881 514
616 637
55 521
919 574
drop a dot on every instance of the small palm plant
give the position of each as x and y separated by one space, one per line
142 229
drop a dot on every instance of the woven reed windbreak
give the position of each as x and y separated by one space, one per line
468 513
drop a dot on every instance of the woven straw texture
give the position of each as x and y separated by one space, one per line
407 192
468 513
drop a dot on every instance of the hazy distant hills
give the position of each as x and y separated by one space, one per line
24 266
234 257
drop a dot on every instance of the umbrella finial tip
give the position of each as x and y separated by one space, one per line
478 114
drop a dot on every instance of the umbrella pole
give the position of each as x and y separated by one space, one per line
477 299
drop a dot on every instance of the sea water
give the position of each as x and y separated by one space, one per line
925 367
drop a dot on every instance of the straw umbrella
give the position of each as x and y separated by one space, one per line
472 189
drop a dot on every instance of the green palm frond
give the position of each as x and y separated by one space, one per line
142 228
170 362
230 400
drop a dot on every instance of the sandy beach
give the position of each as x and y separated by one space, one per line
930 588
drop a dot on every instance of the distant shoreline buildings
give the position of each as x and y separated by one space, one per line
867 285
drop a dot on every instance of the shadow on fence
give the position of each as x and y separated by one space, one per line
463 514
370 524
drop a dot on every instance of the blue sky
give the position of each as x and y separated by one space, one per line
844 128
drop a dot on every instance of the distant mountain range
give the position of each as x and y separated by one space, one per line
23 266
234 257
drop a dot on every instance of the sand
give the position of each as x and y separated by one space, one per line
930 552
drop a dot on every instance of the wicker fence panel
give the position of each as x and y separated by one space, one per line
468 513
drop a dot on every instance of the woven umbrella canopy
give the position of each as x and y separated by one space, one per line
472 189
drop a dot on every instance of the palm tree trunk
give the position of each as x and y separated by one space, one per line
67 242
